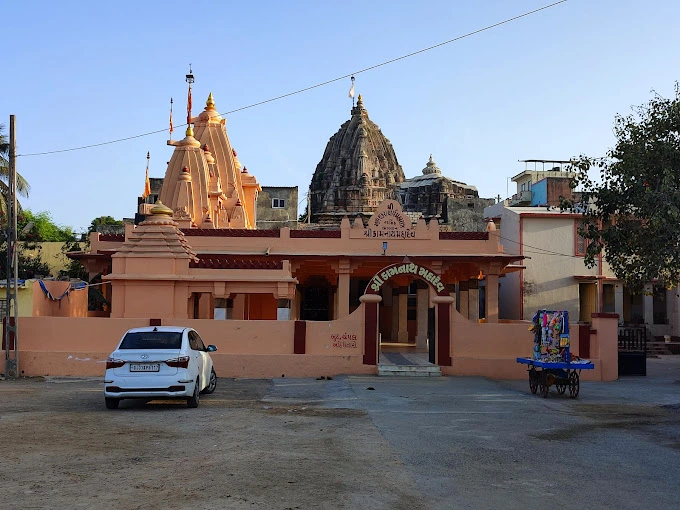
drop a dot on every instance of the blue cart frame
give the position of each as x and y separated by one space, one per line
543 374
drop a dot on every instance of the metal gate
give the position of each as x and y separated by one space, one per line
633 350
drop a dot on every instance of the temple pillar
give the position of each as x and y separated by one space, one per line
206 304
491 298
473 300
451 287
240 307
463 298
422 298
343 289
394 336
295 306
402 334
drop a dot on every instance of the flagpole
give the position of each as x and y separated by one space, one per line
351 91
189 80
171 126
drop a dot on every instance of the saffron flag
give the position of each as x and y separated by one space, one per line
147 184
189 107
171 126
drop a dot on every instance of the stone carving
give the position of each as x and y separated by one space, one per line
353 173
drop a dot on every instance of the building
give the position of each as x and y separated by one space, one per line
359 169
455 205
277 207
292 302
554 275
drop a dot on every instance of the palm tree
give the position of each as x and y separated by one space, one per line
22 185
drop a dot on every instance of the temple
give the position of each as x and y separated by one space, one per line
376 271
359 169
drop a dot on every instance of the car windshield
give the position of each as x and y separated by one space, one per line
152 340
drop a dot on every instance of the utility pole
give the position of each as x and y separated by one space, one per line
11 336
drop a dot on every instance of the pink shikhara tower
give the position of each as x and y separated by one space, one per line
205 185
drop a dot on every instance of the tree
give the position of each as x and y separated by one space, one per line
103 220
44 228
22 185
632 214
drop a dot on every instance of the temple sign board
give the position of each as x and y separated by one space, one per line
390 223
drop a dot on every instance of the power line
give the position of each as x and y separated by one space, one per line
543 251
306 89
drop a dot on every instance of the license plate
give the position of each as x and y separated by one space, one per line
145 367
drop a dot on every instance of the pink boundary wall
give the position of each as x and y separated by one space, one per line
61 346
491 350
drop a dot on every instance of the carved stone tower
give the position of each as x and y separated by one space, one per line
358 170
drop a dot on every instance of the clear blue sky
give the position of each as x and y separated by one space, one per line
545 86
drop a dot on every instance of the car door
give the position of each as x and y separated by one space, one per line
207 360
197 356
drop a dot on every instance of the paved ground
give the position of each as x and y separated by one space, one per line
350 442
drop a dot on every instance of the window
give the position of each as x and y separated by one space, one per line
195 341
278 203
199 342
581 243
3 307
152 340
523 186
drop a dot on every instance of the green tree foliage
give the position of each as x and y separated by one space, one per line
103 220
30 266
44 228
632 213
22 185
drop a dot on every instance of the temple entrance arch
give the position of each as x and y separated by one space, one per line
442 300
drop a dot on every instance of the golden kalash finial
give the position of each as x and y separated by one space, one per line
189 131
210 103
159 209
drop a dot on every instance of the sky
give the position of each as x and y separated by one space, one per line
546 86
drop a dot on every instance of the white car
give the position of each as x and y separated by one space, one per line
159 362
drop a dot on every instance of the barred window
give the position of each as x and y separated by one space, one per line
581 242
3 308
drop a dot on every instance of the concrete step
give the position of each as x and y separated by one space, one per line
656 348
410 370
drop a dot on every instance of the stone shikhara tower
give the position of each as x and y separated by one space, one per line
358 170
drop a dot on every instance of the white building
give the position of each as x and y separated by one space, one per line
555 275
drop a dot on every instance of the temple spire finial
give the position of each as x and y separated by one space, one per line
210 103
190 81
351 91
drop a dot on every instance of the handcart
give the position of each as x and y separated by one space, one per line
544 374
552 362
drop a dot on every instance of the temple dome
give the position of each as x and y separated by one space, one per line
357 171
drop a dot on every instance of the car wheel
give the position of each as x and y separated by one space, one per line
212 384
193 400
112 403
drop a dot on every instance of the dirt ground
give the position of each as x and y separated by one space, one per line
63 449
354 442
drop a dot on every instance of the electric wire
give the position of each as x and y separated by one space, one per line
543 251
306 89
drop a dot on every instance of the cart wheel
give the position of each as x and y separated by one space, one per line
561 388
544 384
574 384
533 380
